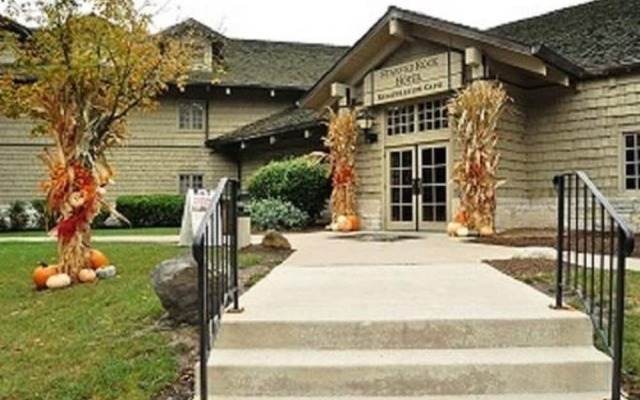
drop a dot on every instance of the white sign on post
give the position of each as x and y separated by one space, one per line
195 208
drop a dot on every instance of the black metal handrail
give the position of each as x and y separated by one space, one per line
590 233
215 249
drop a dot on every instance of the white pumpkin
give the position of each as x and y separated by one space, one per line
462 231
486 231
58 281
86 275
452 228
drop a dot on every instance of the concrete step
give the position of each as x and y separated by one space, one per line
539 396
574 329
398 372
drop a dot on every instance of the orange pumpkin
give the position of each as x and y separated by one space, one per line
344 224
97 259
461 217
42 273
354 221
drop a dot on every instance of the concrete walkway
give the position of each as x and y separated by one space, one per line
416 317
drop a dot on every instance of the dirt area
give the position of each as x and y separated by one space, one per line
259 262
538 273
547 238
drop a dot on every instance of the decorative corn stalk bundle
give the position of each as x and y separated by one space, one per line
474 114
341 141
77 79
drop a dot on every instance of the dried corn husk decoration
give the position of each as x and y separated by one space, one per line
341 141
474 114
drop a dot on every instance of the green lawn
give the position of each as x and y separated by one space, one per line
104 232
87 342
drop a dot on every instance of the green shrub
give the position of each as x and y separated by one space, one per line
152 210
18 217
100 218
277 214
5 225
43 222
302 183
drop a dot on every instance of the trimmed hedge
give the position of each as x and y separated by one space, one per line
158 210
298 181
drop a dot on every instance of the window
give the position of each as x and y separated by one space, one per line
632 161
190 181
191 116
420 117
432 115
401 120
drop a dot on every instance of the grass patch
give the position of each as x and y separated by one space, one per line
102 232
541 275
87 342
102 341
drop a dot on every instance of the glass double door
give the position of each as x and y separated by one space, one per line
417 188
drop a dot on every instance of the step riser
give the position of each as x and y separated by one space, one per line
409 380
406 335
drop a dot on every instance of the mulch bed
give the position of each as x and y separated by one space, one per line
547 238
533 271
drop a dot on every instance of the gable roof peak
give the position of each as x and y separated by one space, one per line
193 24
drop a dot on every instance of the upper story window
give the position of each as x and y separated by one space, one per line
423 116
191 115
632 161
198 55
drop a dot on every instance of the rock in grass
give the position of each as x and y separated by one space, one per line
175 282
276 240
547 253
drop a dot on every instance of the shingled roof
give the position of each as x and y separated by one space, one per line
290 119
599 36
262 63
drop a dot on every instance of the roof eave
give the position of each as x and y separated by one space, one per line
225 140
549 56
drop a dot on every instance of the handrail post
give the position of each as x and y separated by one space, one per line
559 183
619 316
234 244
198 255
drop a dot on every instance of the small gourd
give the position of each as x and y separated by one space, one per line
42 273
97 259
86 275
106 272
462 231
452 228
58 281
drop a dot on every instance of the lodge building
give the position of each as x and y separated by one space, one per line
573 76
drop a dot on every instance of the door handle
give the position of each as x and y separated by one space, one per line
417 183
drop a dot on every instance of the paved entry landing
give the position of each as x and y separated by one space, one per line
325 326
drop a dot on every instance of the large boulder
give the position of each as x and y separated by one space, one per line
275 240
175 282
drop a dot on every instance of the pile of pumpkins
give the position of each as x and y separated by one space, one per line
49 276
346 223
459 226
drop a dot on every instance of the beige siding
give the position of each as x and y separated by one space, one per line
20 173
154 156
511 130
231 112
582 130
148 170
370 176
